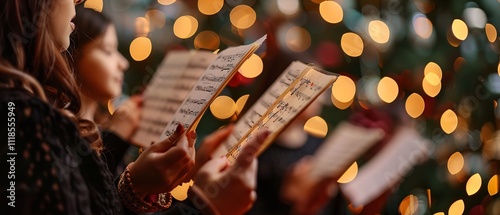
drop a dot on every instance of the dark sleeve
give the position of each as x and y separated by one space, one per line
114 149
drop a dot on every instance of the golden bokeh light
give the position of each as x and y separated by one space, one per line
344 89
208 40
449 121
439 213
422 26
331 12
429 88
455 163
432 67
97 5
141 26
316 126
140 48
185 26
459 29
409 205
432 79
387 89
459 62
350 174
180 192
415 105
352 44
242 16
341 105
252 67
379 31
240 103
210 7
498 68
457 208
491 32
298 39
487 132
473 184
223 107
156 18
288 7
111 107
493 185
166 2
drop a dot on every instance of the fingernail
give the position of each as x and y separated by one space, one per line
179 129
192 135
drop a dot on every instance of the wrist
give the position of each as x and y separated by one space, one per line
141 193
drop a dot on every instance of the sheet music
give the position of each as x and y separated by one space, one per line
341 148
286 103
173 80
210 84
406 149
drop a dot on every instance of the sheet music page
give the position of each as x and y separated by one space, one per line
303 90
173 80
210 84
341 148
406 149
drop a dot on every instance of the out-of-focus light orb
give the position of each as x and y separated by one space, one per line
140 48
415 105
459 29
408 205
141 26
350 174
498 68
252 67
387 89
449 121
207 40
288 7
242 16
457 208
425 6
316 126
475 17
96 5
422 26
210 7
331 12
341 105
459 62
487 132
298 39
432 67
473 184
352 44
223 107
455 163
240 103
379 31
432 78
429 88
439 213
493 185
180 192
491 32
156 18
344 89
185 26
166 2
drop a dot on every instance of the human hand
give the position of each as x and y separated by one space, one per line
163 165
126 118
231 189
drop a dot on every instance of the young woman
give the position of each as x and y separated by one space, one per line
53 153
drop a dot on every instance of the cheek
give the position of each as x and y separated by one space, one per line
98 78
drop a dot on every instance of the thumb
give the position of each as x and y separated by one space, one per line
249 151
166 144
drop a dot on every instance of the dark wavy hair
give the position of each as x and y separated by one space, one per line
30 59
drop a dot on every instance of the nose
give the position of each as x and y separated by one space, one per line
123 64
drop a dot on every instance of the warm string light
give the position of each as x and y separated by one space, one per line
316 126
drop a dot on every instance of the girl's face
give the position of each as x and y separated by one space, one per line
60 24
101 67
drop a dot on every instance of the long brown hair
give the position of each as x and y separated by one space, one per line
30 59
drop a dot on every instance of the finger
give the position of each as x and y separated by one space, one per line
249 151
215 165
167 143
191 138
137 99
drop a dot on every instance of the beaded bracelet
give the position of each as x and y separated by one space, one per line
134 203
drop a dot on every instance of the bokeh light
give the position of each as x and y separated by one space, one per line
166 2
422 26
140 48
387 89
428 85
208 40
457 208
344 89
455 163
473 184
349 175
210 7
352 44
156 18
459 29
240 103
288 7
223 107
180 192
141 26
415 105
341 105
316 126
185 26
379 31
491 32
331 12
433 67
449 121
298 39
252 67
97 5
439 213
408 205
242 16
493 185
